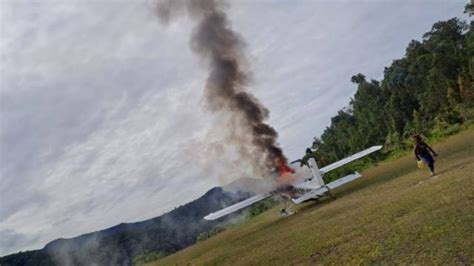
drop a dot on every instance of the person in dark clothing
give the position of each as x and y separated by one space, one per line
304 161
424 153
309 154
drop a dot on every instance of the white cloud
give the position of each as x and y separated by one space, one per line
102 119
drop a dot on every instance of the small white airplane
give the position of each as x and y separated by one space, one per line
301 190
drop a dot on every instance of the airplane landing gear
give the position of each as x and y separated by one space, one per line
286 211
283 212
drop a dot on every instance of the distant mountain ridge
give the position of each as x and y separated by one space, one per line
118 245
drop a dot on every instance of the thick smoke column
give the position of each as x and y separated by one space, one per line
214 40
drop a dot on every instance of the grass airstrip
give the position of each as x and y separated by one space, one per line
395 214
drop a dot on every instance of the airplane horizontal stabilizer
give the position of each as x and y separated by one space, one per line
344 180
237 206
309 184
313 194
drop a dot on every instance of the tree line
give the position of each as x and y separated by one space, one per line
430 91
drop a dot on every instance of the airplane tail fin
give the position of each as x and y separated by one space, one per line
317 177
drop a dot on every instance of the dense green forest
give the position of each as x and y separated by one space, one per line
430 91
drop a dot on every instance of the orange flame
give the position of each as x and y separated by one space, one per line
286 172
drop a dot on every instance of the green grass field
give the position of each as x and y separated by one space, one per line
394 214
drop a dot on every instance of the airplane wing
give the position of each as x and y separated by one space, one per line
321 191
350 159
237 206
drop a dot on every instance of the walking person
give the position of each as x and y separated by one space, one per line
304 161
424 153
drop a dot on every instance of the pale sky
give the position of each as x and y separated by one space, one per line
102 115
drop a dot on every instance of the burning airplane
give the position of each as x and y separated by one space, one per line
226 91
300 190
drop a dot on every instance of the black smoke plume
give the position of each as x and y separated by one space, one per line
228 80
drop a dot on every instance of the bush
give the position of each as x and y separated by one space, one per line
148 257
261 207
206 235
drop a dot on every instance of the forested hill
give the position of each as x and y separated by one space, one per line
118 245
430 91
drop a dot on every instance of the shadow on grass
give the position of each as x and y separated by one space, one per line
458 165
316 204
